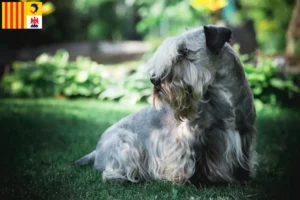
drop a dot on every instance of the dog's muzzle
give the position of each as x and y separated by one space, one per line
155 81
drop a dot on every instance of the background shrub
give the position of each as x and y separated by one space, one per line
50 76
270 84
56 76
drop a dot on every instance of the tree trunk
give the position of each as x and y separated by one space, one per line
293 32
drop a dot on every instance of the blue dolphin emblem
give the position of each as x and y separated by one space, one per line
36 8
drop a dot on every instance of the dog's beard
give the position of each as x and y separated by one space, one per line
182 89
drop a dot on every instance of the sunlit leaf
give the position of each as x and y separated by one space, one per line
112 93
259 105
277 83
61 80
16 86
84 91
82 76
43 58
16 65
48 8
61 57
257 90
68 91
96 80
97 90
131 98
36 74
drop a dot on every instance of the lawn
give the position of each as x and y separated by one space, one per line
40 138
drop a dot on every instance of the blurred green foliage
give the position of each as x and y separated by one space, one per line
270 85
51 76
164 18
92 20
135 88
77 20
271 18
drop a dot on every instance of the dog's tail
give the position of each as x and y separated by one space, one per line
85 160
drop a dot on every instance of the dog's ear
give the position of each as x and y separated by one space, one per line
216 37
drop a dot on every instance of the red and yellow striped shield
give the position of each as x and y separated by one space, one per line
21 15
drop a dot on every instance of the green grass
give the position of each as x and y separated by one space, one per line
39 138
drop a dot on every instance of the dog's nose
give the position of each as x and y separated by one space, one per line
155 81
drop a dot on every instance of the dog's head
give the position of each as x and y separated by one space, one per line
183 67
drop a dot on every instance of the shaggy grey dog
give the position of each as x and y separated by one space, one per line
201 128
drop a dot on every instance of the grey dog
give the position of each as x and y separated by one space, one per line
201 126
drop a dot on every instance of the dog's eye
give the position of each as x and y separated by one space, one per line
183 51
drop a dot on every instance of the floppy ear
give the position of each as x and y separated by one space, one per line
216 37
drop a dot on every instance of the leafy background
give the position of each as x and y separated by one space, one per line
56 76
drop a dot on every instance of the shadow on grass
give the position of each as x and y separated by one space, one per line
279 149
